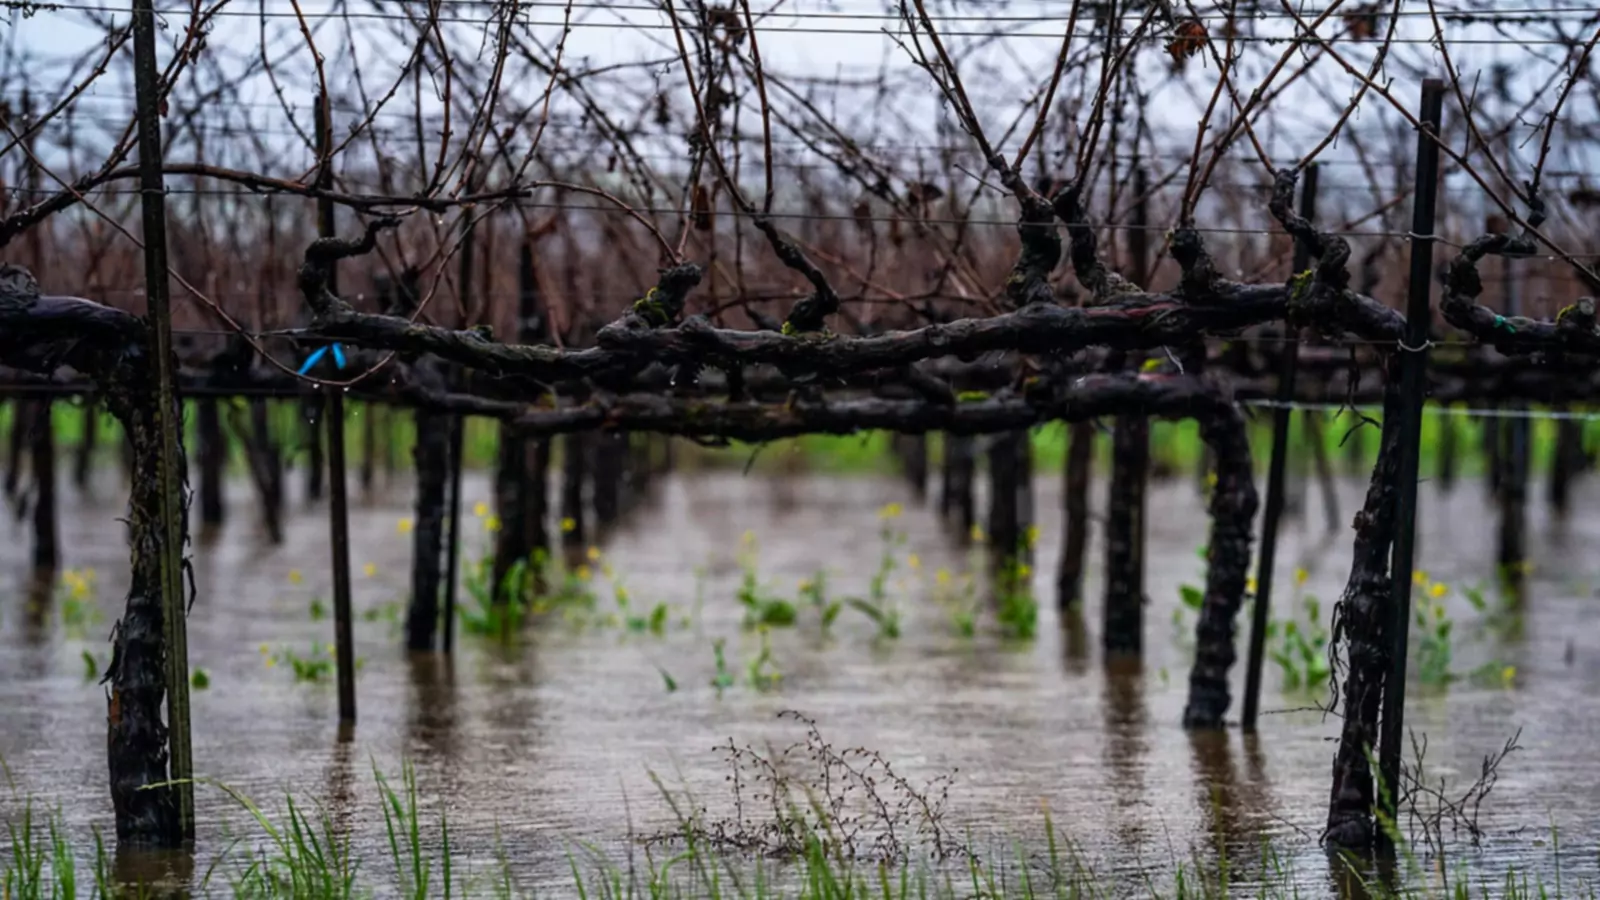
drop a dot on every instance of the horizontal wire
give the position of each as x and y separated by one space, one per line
1436 409
1453 17
644 26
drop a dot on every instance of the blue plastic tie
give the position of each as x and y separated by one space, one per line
317 355
313 359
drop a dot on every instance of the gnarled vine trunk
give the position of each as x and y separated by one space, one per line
432 455
1360 626
136 733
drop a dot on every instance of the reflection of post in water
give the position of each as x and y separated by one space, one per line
340 801
1127 746
1074 641
38 609
431 723
1235 810
1354 877
153 874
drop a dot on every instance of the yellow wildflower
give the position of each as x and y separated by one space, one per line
594 554
1032 535
584 574
977 534
1024 570
914 561
480 509
942 577
622 595
404 525
805 585
271 661
1301 576
1250 584
369 570
491 523
1438 590
568 525
264 650
1507 674
294 576
890 511
1419 578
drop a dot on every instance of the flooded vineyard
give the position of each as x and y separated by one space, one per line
542 750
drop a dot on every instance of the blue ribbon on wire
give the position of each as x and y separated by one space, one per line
317 355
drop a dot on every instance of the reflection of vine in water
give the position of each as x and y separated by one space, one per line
811 797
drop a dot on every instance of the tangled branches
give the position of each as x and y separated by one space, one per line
849 805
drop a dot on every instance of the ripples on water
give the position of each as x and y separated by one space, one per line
553 744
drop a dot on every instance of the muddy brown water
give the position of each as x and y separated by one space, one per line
546 746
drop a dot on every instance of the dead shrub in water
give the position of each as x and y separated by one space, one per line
813 798
1432 806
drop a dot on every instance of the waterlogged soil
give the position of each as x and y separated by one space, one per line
542 749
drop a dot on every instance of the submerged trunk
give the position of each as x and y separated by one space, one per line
1319 459
520 496
84 463
1447 449
1512 544
609 456
912 450
1491 450
959 464
1125 527
21 425
311 429
1006 481
369 444
213 456
1566 462
1233 510
1075 538
432 455
1360 626
137 736
573 465
46 552
261 457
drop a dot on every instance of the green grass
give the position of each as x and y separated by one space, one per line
300 852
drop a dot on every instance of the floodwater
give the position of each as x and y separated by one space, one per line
551 745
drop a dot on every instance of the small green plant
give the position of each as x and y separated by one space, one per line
879 606
1301 648
762 674
314 667
1434 628
958 596
667 680
722 679
496 612
1016 607
319 609
760 608
75 594
654 621
199 679
91 666
814 593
